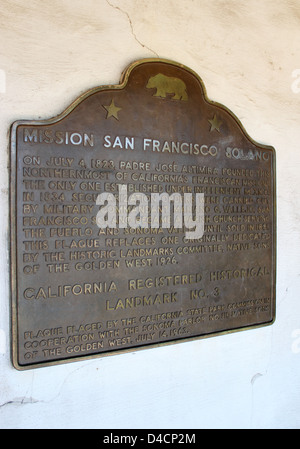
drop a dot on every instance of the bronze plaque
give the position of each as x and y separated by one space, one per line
80 289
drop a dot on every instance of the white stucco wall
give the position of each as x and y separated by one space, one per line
248 55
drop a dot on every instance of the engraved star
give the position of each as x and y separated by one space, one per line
112 110
215 124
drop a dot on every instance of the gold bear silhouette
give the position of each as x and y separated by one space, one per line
168 85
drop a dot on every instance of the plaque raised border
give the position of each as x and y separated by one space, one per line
170 87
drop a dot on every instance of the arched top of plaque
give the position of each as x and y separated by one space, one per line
158 97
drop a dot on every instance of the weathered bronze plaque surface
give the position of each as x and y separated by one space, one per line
79 290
